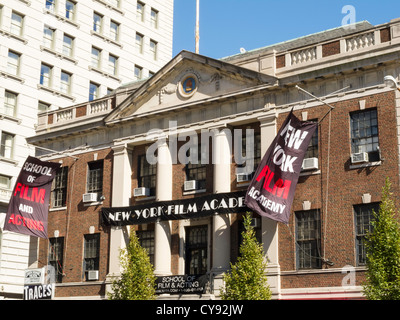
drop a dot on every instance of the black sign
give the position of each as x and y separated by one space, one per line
39 292
272 188
184 284
28 208
222 203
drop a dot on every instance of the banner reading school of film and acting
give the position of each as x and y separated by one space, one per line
272 188
28 208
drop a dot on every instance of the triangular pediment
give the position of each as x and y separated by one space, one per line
187 79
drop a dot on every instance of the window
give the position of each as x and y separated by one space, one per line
139 43
364 133
70 9
114 3
196 170
13 62
65 85
196 250
50 5
10 104
256 150
147 175
93 91
154 18
153 49
138 72
112 64
5 182
363 215
96 57
91 252
7 144
97 21
146 241
43 107
16 23
48 37
312 150
45 75
56 254
95 177
140 11
308 238
114 30
68 42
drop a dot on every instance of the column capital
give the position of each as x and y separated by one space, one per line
121 148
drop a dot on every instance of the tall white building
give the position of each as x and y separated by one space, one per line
57 53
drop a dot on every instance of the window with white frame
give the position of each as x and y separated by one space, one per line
114 30
96 57
70 9
97 21
140 11
5 182
10 103
16 23
139 43
50 5
45 75
65 84
138 72
59 188
154 18
93 91
112 64
7 145
13 62
91 253
95 177
68 42
48 37
153 49
43 106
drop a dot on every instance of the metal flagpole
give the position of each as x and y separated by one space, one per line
197 25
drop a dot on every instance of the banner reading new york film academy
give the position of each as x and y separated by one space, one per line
28 208
272 188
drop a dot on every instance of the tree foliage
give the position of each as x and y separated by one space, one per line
383 252
247 279
137 281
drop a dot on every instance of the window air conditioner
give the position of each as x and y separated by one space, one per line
359 157
141 192
89 197
190 185
93 275
243 177
310 164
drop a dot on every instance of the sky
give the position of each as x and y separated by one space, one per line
228 25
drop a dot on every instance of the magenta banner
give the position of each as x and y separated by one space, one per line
29 204
272 188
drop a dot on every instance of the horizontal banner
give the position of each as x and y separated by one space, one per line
198 207
184 284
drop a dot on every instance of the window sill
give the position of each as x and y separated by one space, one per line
309 172
106 39
58 55
8 160
56 92
365 165
14 36
95 203
144 198
194 192
57 209
12 76
10 118
105 74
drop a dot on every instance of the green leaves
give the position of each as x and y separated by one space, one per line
247 279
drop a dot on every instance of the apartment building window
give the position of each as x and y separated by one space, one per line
138 72
140 11
48 37
198 172
68 42
114 30
91 252
95 177
364 133
45 75
256 150
139 43
146 241
13 62
56 254
50 5
153 49
16 23
147 175
93 91
5 182
112 64
70 9
363 215
308 238
7 145
65 85
96 57
97 21
43 106
10 104
196 250
154 18
114 3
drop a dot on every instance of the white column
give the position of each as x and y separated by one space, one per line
121 194
269 228
162 232
221 251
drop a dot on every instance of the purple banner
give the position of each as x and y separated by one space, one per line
272 189
29 204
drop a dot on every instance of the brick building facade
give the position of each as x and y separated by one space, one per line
355 148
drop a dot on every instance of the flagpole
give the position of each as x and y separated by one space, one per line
197 25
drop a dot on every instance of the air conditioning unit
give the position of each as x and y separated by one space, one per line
190 185
359 157
310 164
93 275
141 192
89 197
243 177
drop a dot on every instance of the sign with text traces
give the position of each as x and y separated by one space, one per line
272 188
182 284
28 208
199 207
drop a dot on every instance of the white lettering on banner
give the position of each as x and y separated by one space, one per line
36 168
265 202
